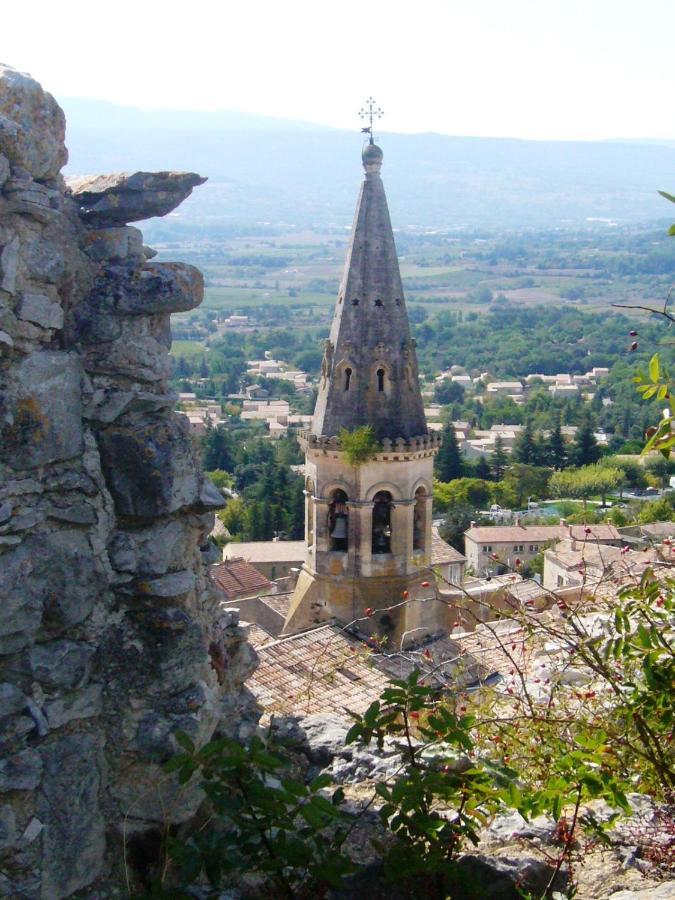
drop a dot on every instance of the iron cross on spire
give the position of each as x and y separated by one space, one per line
370 111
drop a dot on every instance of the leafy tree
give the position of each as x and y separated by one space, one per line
527 481
468 492
456 522
499 458
447 391
449 461
586 450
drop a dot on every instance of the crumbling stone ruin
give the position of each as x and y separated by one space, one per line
111 637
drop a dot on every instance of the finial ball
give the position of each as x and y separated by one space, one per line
372 157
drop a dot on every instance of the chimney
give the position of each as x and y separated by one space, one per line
563 523
472 524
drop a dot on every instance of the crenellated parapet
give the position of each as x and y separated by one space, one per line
416 447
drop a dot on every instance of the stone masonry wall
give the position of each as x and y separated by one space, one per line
111 636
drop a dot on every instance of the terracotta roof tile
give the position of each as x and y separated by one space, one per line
510 534
238 578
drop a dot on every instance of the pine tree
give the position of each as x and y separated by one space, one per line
557 451
499 459
525 449
483 469
586 450
217 450
449 463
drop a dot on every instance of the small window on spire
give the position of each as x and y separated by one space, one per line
380 380
378 302
355 301
348 378
398 301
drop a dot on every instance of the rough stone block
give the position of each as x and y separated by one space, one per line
176 584
32 125
61 664
41 310
152 550
103 244
83 705
21 772
150 469
122 197
48 583
44 423
12 700
9 264
7 827
73 840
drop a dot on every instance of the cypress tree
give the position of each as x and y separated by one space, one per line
525 449
557 451
586 450
483 469
499 459
449 464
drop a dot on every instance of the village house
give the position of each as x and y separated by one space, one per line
491 545
274 559
573 562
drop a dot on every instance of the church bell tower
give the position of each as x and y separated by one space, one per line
368 526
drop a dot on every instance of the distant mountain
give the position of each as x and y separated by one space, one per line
275 170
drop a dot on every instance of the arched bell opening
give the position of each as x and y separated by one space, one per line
381 537
338 522
347 377
380 375
419 519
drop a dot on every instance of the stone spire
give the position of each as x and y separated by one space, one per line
369 370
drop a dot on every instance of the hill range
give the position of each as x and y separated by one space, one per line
262 169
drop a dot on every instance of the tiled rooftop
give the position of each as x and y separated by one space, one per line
442 552
238 578
509 534
318 671
328 669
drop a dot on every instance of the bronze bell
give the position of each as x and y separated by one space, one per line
339 532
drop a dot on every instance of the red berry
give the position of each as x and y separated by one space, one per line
368 611
425 584
405 595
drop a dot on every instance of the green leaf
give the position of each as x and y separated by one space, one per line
184 741
654 368
667 196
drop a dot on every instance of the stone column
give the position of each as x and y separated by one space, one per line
402 534
361 528
321 536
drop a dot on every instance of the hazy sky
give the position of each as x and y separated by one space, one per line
570 69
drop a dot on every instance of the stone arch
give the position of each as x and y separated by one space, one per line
388 486
383 504
336 484
338 521
422 483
